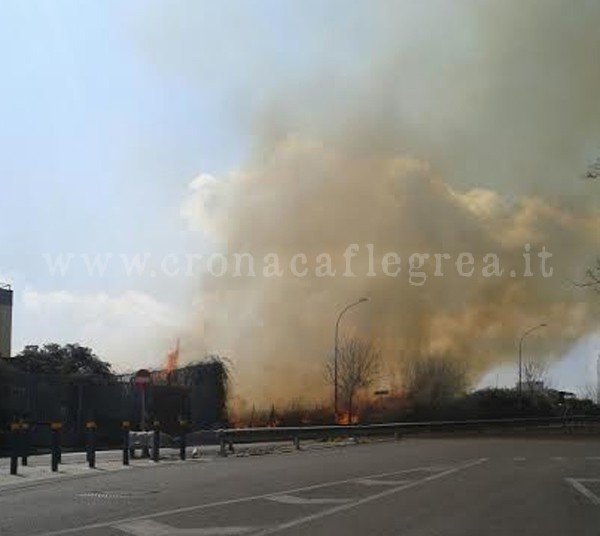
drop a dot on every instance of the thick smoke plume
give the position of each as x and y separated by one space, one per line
457 127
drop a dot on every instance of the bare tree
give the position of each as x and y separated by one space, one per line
592 277
590 391
535 375
358 366
592 274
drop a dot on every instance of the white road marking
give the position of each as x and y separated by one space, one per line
519 459
558 458
227 502
593 458
376 482
294 499
117 494
148 527
577 483
435 468
370 498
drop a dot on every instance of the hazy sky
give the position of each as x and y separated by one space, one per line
105 122
108 111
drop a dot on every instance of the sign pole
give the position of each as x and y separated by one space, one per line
142 379
143 417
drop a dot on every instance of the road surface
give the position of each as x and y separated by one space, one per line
414 487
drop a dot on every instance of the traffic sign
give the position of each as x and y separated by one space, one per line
142 377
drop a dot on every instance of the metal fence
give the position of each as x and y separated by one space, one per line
40 399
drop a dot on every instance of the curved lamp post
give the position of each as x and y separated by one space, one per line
530 330
335 354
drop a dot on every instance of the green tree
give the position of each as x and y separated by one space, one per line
56 359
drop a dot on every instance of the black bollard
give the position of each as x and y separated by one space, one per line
55 445
91 443
14 451
25 443
126 427
182 440
156 442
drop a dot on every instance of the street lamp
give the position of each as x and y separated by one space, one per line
335 354
530 330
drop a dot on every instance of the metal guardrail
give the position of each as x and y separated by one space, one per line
229 436
20 446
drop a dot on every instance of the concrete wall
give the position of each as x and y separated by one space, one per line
6 301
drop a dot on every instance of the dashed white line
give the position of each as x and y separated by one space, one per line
148 527
376 482
577 483
294 499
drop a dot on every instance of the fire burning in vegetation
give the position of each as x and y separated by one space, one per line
170 365
466 140
371 409
172 360
345 419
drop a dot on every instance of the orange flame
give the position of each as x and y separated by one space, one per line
171 363
172 360
344 419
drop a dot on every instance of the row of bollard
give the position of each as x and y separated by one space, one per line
20 444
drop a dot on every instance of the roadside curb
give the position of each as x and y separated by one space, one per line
89 473
242 453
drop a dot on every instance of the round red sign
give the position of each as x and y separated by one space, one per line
142 377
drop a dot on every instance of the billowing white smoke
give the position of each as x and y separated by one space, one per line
308 201
468 136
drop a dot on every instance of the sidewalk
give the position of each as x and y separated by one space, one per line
74 464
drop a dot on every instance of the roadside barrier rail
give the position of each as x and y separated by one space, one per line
227 437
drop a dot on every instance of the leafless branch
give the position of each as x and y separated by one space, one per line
358 366
592 278
534 374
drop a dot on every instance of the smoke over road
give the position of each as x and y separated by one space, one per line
447 127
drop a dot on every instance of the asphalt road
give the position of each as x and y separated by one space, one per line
413 487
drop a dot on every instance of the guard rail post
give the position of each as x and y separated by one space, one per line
125 426
222 445
156 442
182 439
